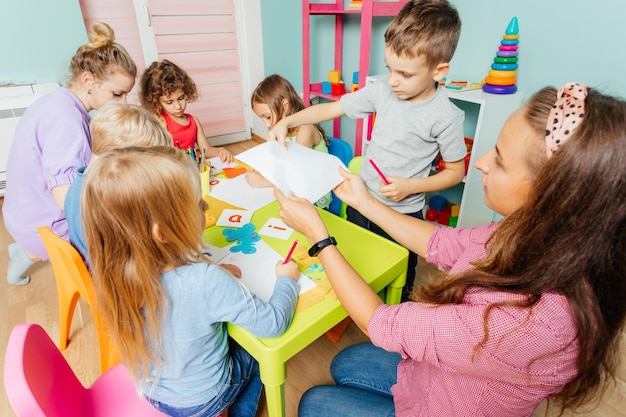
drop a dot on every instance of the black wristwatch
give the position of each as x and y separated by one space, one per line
317 248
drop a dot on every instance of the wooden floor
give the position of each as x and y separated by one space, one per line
37 303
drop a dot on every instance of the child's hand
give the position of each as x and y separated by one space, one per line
290 269
225 155
233 269
351 191
256 180
279 133
397 189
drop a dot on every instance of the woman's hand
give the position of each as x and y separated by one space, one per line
352 191
298 213
290 269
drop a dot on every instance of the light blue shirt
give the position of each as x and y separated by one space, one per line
203 298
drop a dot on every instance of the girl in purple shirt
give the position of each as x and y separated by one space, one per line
52 141
531 308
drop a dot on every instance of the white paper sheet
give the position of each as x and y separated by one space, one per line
258 270
305 172
238 192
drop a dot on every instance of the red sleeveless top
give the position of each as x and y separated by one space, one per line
183 136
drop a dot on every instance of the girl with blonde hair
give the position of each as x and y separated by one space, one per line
165 304
52 141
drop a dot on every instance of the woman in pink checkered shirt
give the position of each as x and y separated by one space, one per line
531 307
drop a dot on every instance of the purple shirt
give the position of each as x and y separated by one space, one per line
444 373
51 141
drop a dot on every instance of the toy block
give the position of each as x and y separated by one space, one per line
334 76
443 218
452 221
354 87
338 88
437 202
446 210
327 87
454 210
355 77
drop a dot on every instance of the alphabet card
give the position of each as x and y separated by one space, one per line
275 227
234 218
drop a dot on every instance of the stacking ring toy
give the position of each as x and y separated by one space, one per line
507 48
506 54
499 89
504 67
501 60
510 37
509 42
500 81
502 74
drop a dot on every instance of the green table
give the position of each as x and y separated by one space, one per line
381 262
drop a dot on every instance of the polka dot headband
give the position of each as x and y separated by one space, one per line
566 114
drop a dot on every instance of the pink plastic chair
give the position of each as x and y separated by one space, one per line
40 383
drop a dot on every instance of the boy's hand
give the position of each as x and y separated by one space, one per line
290 269
279 132
397 189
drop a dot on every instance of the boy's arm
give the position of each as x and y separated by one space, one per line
203 143
310 115
399 187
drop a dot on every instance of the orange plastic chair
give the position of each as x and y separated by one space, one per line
74 281
40 383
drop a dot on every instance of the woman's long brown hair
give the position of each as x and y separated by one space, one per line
568 238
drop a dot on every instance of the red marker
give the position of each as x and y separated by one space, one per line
380 172
293 247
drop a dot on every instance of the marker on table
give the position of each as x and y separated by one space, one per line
380 172
293 247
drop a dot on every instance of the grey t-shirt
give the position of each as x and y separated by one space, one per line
406 137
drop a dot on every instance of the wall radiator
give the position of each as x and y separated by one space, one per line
14 100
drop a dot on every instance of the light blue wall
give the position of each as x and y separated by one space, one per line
560 41
38 38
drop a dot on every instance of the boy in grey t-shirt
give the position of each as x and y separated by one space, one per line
414 118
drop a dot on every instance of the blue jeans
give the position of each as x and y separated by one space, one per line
364 375
240 395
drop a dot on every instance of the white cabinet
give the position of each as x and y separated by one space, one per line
485 115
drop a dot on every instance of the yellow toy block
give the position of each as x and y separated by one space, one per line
454 210
334 76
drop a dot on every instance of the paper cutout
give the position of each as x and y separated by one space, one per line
245 237
305 172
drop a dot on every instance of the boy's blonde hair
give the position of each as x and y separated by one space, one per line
142 213
428 28
119 125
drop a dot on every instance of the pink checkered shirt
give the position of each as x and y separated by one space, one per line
443 373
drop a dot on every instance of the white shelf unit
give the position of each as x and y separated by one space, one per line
485 115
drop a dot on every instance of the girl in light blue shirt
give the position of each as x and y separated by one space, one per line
165 304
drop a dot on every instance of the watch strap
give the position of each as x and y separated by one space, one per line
317 248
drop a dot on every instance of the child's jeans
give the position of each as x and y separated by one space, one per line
364 375
357 218
240 396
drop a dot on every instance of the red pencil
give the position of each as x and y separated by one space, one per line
380 172
293 247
